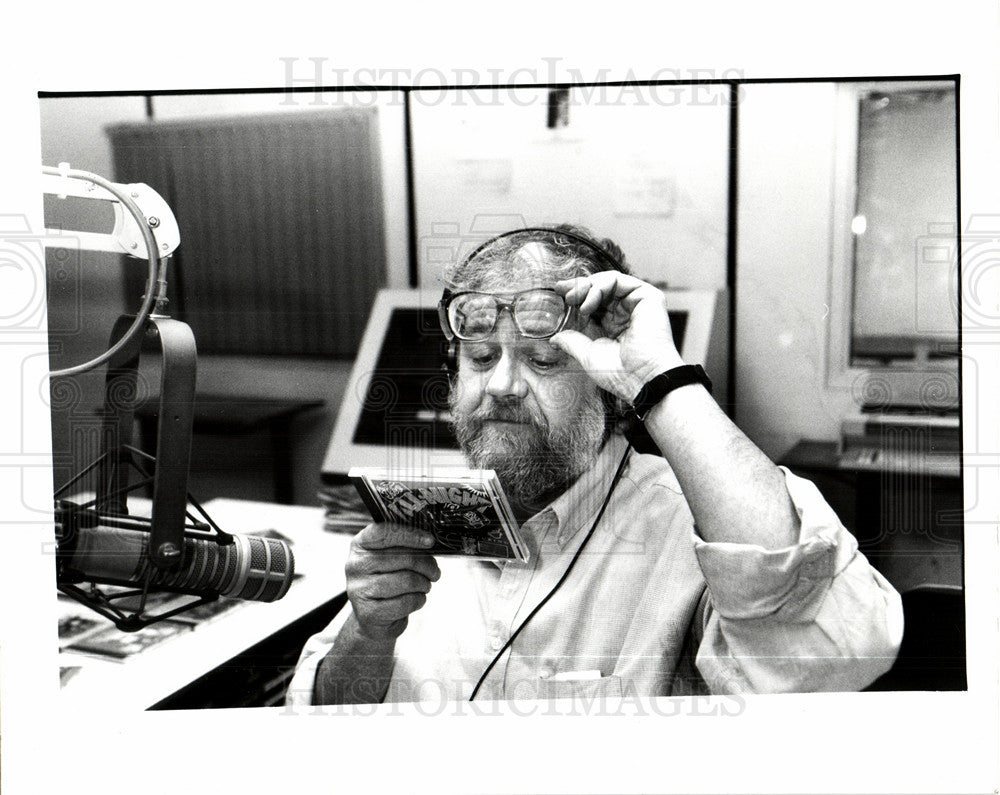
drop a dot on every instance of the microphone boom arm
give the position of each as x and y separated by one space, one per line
173 430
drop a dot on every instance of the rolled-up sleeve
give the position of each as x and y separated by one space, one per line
809 617
303 681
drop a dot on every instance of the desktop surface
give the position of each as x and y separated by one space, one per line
814 454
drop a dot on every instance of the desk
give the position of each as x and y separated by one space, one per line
908 523
225 414
191 669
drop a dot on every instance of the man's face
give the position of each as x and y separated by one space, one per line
525 409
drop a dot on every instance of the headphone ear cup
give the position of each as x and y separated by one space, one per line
450 363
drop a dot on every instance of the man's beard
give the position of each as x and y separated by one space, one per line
534 461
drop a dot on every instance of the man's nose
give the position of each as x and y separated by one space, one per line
507 379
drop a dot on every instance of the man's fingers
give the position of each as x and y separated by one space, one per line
395 559
384 535
593 292
589 294
396 608
382 612
390 586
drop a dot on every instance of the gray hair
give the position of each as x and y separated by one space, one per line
559 252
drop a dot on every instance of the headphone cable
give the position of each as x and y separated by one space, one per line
565 575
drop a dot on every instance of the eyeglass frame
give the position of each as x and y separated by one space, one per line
448 296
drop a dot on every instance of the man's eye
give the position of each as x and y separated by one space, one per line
543 364
483 360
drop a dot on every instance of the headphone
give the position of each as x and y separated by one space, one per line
450 363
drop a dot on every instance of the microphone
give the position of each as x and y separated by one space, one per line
114 550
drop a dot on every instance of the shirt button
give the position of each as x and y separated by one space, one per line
496 643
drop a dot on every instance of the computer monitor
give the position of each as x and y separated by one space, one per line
394 411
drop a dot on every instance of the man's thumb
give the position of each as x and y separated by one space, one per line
574 343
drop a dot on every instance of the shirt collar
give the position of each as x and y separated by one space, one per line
578 505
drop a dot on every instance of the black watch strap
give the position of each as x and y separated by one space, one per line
661 385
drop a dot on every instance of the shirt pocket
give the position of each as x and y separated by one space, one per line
581 689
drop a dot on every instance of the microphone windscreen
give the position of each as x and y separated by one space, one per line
265 570
252 567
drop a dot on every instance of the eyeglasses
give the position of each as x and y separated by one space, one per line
538 313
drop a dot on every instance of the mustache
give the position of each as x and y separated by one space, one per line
506 412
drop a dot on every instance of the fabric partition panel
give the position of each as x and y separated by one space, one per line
282 246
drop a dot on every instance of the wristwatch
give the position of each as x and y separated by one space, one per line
661 385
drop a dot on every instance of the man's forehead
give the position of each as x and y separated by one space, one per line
533 254
527 267
505 334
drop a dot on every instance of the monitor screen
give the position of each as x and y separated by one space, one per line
394 412
406 398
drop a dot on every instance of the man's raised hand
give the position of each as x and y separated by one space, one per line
632 315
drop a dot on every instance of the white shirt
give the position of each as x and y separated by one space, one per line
649 609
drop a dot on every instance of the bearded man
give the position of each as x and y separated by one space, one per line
705 570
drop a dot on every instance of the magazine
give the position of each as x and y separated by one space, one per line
466 510
118 645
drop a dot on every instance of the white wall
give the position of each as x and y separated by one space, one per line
646 167
786 183
72 131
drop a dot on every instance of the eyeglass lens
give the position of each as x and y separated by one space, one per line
537 314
